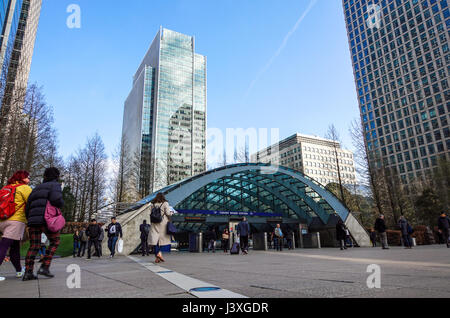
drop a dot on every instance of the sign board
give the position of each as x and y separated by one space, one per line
226 213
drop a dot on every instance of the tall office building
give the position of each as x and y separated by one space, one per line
313 156
19 20
401 61
164 120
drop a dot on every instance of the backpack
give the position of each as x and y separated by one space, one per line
155 215
83 236
7 204
410 229
147 229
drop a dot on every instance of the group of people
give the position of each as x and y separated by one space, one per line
277 237
406 231
242 238
30 207
92 238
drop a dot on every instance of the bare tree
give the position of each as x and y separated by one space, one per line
333 135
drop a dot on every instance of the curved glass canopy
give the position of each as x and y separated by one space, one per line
259 188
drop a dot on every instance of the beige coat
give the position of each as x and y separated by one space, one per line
158 231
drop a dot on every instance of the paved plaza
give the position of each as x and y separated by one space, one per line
303 273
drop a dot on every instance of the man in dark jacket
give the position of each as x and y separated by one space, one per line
404 228
444 228
47 192
114 230
144 228
93 233
243 231
380 227
210 238
341 234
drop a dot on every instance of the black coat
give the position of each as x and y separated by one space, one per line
93 231
340 232
118 230
210 235
144 235
443 223
380 225
37 202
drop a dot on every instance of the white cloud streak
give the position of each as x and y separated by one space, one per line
281 48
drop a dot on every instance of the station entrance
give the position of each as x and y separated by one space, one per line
193 226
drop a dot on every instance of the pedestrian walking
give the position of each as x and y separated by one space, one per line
278 238
225 240
114 231
211 237
76 242
101 236
243 231
144 228
341 234
380 227
373 237
444 228
159 217
47 192
270 240
14 221
405 228
289 239
83 242
93 233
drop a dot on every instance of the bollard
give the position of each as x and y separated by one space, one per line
200 242
293 240
318 240
266 247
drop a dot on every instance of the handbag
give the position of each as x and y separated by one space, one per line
171 229
54 219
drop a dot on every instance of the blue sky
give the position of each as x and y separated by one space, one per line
87 73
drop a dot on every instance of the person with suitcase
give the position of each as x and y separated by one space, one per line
243 231
236 247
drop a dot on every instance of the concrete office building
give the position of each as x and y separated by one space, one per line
401 58
164 120
313 156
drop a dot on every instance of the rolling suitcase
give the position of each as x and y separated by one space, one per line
235 249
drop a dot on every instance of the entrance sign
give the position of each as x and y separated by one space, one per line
224 213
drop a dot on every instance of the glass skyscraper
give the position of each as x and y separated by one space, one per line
165 114
401 61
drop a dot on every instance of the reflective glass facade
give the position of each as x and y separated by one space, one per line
168 101
401 60
10 11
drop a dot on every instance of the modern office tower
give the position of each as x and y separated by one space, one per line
19 20
401 61
313 156
164 123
